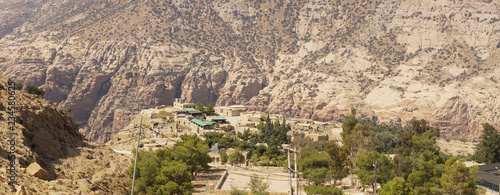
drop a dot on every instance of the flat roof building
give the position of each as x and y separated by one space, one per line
234 110
179 104
490 176
217 119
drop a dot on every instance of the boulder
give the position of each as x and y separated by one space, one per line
36 170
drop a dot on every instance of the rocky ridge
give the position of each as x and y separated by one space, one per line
46 138
399 60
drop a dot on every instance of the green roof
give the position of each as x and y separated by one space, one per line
201 122
218 117
190 109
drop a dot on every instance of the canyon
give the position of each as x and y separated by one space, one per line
398 60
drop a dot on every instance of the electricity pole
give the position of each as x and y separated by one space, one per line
289 172
375 182
295 171
296 175
136 150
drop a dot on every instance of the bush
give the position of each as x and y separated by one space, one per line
35 90
312 189
19 86
235 191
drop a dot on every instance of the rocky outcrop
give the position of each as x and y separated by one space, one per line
399 60
50 154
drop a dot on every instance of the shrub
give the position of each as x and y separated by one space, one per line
235 191
19 86
35 90
312 189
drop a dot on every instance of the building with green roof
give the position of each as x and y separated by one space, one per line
202 123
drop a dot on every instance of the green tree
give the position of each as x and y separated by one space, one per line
395 186
264 161
35 90
255 158
360 140
421 126
173 178
266 128
158 172
357 136
200 107
245 136
373 167
146 172
193 151
410 147
458 178
210 110
314 166
488 150
225 140
349 123
236 157
339 161
258 186
223 156
426 174
282 131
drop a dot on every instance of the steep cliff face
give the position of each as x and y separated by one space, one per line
404 59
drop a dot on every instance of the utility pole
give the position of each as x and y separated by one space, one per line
296 175
295 171
207 187
136 151
289 172
375 182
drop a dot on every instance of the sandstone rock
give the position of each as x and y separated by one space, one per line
36 170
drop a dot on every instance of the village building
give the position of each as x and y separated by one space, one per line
217 119
490 176
229 111
180 105
194 113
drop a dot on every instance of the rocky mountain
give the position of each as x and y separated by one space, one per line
50 154
396 59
